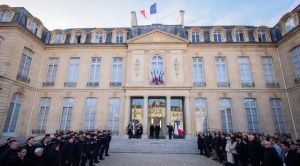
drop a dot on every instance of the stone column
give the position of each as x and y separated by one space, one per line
126 115
145 118
168 110
187 117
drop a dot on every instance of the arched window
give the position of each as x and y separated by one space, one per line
13 114
119 37
157 70
296 61
278 116
90 111
226 115
66 114
252 115
217 36
34 27
239 36
201 115
25 64
4 16
99 37
113 115
40 126
261 36
195 37
289 24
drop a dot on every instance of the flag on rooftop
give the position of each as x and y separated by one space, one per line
149 11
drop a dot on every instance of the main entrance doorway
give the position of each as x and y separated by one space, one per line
157 115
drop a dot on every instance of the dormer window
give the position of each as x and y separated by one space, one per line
239 35
217 36
77 38
195 37
99 37
289 24
34 27
119 37
4 16
58 38
261 36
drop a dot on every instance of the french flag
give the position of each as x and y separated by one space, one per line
177 130
147 12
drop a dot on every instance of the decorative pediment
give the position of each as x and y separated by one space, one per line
155 37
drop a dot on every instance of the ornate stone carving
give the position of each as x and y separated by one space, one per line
224 94
249 94
168 50
115 93
137 67
219 53
91 93
176 66
68 94
275 94
146 51
21 90
46 94
200 94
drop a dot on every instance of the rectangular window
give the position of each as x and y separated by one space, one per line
239 35
113 115
95 71
198 72
261 36
25 64
4 16
278 116
201 115
90 111
33 27
195 37
221 67
41 123
226 115
267 64
217 36
252 116
66 114
73 70
77 38
98 38
116 75
119 37
58 38
296 61
51 74
245 71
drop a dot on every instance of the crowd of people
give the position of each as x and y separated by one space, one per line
244 150
72 148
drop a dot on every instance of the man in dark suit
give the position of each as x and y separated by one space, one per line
170 130
240 148
151 130
289 156
157 130
254 151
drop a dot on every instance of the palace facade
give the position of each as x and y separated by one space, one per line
226 78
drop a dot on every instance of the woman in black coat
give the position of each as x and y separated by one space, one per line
54 157
200 144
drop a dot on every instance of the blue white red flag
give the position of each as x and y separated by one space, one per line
149 11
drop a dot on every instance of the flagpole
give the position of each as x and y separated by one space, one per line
156 14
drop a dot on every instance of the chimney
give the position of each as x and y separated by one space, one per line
133 19
181 18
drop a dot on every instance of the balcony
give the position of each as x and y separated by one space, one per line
48 83
70 84
38 131
92 84
297 80
248 84
223 84
23 78
157 83
272 84
115 84
195 84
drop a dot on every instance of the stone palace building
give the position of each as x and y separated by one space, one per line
226 78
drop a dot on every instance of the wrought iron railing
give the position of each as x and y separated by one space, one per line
115 84
23 78
70 84
199 84
223 84
248 84
92 84
48 83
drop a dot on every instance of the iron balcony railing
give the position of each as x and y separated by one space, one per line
23 78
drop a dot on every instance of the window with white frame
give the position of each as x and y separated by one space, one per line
261 36
116 75
77 37
4 16
98 37
25 64
217 36
90 112
34 27
157 70
201 115
73 70
267 64
289 24
13 113
58 38
252 116
226 115
239 36
95 70
221 71
195 37
296 61
119 37
278 116
245 71
43 114
51 74
113 115
66 114
198 72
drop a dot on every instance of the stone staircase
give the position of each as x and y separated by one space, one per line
154 146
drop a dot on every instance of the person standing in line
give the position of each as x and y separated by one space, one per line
240 149
9 154
206 145
151 131
170 130
20 160
129 130
54 156
222 147
157 130
254 151
68 152
233 151
30 148
275 145
108 138
46 146
289 156
271 157
200 144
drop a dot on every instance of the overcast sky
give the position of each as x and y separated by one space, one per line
62 14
